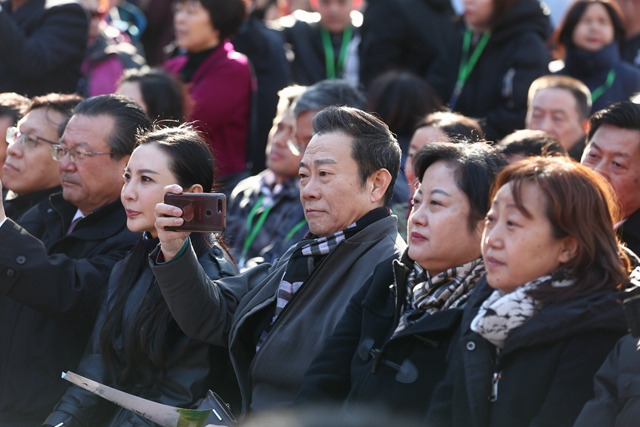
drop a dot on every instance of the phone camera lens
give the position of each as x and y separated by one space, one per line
208 212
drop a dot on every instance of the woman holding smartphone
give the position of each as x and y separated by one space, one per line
136 345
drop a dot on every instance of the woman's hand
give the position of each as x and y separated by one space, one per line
170 216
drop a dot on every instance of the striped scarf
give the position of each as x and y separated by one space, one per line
427 295
308 254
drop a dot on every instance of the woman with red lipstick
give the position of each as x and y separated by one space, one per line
590 37
390 347
535 332
136 344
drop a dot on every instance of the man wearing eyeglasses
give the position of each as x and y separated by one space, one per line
30 173
55 263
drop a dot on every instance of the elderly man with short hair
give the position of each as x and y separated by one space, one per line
30 173
55 264
560 106
613 150
275 318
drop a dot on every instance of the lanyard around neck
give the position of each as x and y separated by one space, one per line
598 92
329 55
467 63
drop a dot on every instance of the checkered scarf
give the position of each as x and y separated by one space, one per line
309 253
427 295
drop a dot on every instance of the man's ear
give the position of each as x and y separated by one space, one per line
378 184
585 126
569 249
195 188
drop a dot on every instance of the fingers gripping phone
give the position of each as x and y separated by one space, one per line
202 212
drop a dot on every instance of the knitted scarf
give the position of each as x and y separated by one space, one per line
309 253
502 313
427 295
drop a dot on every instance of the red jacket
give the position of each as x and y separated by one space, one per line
221 91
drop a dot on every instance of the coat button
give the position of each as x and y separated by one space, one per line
217 251
21 259
49 210
11 272
471 346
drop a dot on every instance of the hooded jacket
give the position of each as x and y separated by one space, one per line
543 375
497 87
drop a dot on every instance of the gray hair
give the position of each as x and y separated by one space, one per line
328 93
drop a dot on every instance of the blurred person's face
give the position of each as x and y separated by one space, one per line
30 168
555 111
132 90
594 29
615 154
421 137
97 180
5 123
477 14
193 28
335 14
303 130
281 160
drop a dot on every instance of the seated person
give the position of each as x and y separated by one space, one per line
12 108
529 143
390 347
136 345
60 256
30 174
275 317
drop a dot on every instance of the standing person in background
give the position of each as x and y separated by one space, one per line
324 44
136 345
590 37
219 80
404 35
30 174
630 14
12 108
487 71
42 45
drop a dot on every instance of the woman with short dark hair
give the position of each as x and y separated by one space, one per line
390 347
536 330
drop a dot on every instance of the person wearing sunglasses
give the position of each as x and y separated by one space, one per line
29 172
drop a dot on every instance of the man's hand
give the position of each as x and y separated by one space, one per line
169 216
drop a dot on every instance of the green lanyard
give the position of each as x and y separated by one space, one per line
467 64
598 92
329 56
254 230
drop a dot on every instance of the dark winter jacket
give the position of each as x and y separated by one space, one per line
192 366
630 232
284 226
360 361
51 287
496 90
42 46
631 51
617 389
592 69
544 374
404 34
15 205
301 31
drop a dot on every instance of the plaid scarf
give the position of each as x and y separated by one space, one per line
309 253
427 295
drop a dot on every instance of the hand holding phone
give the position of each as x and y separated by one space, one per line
201 212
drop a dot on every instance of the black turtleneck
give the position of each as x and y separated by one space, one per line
194 61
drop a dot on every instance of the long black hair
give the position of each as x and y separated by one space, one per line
134 350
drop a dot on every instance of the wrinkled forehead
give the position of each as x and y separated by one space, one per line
554 98
87 131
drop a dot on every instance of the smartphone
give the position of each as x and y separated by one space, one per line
202 212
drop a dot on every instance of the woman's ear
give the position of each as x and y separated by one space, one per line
569 249
195 188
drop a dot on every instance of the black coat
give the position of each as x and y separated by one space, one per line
496 90
630 233
51 286
592 69
15 206
617 388
42 46
345 369
404 34
547 365
192 366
